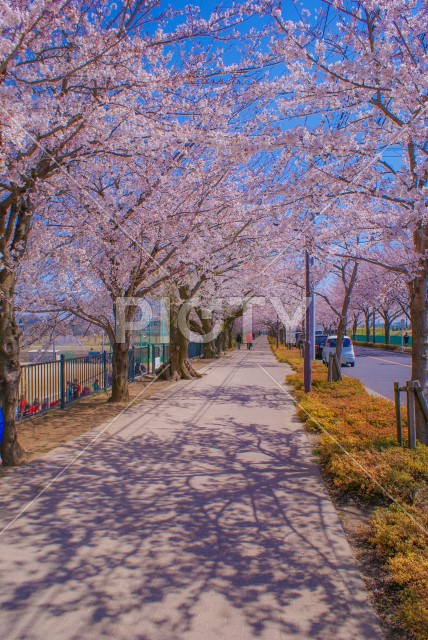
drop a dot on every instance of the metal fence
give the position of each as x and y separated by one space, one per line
196 350
48 385
395 340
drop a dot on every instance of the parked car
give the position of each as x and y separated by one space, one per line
348 354
320 342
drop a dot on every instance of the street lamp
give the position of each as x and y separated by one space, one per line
309 323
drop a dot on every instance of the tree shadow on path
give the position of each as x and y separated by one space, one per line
201 532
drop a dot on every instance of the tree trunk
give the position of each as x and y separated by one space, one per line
221 341
229 334
178 366
367 315
341 329
10 371
225 338
340 335
419 320
185 369
170 370
210 350
387 329
120 391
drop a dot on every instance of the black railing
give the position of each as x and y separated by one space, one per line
196 349
49 385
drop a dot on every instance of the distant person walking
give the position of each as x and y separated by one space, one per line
238 341
249 340
406 339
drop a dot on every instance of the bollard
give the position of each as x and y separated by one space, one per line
330 367
62 380
397 399
131 365
105 374
411 410
153 359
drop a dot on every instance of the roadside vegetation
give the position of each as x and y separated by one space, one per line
385 347
358 451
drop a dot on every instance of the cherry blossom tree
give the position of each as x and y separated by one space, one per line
52 93
364 295
380 291
68 71
339 295
178 234
356 76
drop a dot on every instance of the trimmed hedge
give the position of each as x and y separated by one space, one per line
358 450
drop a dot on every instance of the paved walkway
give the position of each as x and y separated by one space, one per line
198 516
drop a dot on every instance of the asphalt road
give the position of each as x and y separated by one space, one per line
378 369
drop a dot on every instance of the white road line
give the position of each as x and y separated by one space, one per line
400 364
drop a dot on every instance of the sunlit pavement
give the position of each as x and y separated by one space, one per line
199 515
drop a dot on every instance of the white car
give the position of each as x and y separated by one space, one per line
348 354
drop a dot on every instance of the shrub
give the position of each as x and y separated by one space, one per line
410 571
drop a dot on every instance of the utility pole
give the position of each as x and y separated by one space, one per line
307 370
277 330
374 326
312 308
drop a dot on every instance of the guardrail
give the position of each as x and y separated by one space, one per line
49 385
